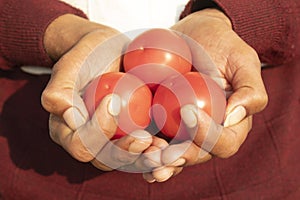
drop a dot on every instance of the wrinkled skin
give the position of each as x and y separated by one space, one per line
238 72
88 140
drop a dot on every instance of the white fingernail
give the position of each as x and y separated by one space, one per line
235 116
165 177
142 141
114 107
141 135
188 116
74 118
149 178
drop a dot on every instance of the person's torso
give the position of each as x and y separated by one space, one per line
132 14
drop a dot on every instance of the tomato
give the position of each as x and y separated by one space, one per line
190 88
135 96
154 51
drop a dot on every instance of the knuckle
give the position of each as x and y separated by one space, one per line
264 100
48 99
260 100
228 148
230 151
81 154
73 144
125 158
53 137
51 100
253 55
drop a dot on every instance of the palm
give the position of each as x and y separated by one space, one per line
219 52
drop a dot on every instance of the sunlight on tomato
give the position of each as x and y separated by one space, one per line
161 48
135 96
190 88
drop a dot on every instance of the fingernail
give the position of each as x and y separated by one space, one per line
188 116
151 181
149 178
136 147
142 141
74 118
167 176
235 116
141 135
114 106
179 162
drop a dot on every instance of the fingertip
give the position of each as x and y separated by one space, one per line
148 177
235 116
163 174
74 118
142 140
141 135
188 115
114 105
152 157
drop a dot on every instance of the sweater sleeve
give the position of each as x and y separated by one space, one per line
22 28
270 27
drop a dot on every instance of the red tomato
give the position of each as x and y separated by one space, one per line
135 96
190 88
161 49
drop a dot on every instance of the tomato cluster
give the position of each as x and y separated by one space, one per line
157 81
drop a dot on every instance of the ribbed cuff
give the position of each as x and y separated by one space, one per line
22 28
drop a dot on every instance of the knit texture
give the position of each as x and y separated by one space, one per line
23 25
270 27
33 167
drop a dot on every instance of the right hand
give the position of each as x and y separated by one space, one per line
236 67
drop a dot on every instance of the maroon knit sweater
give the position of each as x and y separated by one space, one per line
266 167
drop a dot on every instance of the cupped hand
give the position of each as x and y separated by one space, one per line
235 66
85 50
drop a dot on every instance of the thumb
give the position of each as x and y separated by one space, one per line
249 95
76 69
62 100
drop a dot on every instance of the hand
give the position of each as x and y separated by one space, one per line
85 50
238 72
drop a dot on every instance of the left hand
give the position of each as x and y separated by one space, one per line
238 72
85 50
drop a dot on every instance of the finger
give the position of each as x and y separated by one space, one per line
84 143
235 116
96 163
161 174
184 154
249 95
58 128
149 177
77 68
121 153
63 135
66 104
164 173
152 155
214 138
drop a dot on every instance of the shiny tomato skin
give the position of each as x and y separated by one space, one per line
160 47
136 100
190 88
